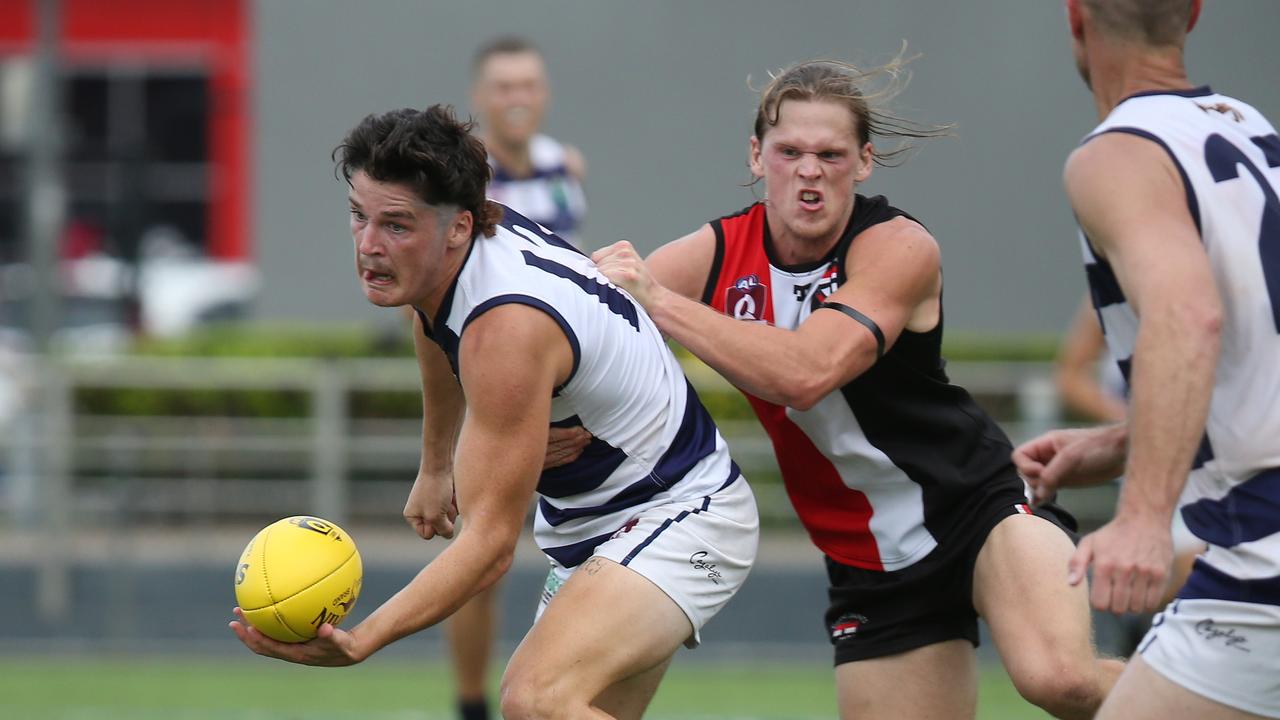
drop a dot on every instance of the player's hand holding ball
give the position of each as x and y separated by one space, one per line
296 580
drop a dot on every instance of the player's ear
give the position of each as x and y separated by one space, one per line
867 156
753 158
1196 7
460 226
1075 19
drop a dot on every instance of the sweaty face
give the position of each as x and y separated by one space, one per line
510 95
398 240
810 162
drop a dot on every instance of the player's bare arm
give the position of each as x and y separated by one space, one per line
894 279
1131 203
511 358
430 508
1073 457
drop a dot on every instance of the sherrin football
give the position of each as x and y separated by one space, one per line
297 574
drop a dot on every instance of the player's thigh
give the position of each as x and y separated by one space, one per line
935 681
1144 694
605 625
1040 624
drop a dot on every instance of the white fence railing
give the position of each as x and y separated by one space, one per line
60 467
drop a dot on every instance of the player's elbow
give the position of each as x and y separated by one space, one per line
804 386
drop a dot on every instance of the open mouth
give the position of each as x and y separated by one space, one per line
377 278
810 199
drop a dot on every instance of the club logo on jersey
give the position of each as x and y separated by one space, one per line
827 284
1222 109
847 626
746 299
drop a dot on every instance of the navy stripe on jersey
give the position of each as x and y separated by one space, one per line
1192 204
533 302
574 554
706 503
694 441
596 463
1249 511
1209 583
608 295
1194 92
1270 147
515 222
1103 284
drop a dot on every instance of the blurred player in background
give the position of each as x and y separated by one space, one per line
1091 387
540 178
1177 194
649 532
824 307
534 174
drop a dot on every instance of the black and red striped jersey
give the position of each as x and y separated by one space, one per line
883 469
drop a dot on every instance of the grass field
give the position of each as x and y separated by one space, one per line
128 688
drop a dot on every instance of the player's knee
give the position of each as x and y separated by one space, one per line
1061 689
525 697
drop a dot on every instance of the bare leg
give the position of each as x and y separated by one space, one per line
1039 623
1144 694
470 632
936 681
605 637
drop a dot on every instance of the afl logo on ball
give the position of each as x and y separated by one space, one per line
746 299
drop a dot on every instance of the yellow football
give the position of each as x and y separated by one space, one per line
297 574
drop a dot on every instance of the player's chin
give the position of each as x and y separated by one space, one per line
382 297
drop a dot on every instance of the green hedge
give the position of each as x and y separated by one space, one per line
265 341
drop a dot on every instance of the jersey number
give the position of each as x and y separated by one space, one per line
1224 161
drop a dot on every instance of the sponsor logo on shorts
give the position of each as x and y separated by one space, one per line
847 626
1210 631
699 561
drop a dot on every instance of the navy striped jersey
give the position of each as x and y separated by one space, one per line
1228 156
653 441
551 196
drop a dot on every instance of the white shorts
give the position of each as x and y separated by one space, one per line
697 551
1226 651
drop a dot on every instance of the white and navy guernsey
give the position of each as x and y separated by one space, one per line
551 196
1229 158
653 441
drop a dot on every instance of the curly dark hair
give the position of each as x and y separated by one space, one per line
429 150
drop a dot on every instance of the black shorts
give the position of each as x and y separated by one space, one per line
876 613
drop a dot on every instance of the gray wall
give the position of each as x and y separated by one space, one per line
655 93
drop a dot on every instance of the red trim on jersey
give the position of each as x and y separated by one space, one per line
836 516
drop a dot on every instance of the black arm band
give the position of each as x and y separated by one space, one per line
866 321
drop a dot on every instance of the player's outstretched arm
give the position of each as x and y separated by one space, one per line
430 508
1071 458
895 280
1130 201
511 358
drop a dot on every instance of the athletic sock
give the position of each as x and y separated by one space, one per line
473 709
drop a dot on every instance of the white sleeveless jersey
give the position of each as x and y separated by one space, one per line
551 197
653 441
1229 158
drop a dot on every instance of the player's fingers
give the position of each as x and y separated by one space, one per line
1078 565
443 527
1121 583
608 251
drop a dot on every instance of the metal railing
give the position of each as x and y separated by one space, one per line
66 466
